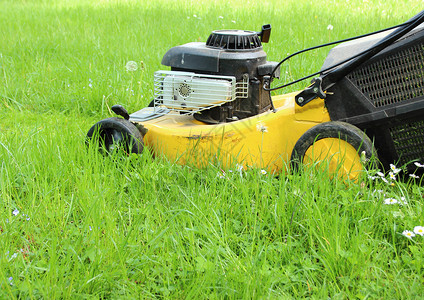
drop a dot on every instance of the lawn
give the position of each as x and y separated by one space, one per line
76 224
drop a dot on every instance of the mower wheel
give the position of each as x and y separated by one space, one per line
338 145
115 133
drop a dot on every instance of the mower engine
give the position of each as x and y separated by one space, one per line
217 81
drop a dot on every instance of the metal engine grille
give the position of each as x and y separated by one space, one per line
187 92
396 78
408 139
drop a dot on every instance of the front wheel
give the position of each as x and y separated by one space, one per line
114 134
341 146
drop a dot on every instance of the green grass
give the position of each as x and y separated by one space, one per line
140 227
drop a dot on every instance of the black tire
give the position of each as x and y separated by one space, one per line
334 129
116 132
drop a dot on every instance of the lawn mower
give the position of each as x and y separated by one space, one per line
215 105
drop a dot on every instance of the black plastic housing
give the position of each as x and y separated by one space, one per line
385 98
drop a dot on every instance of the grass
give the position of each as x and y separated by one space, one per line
75 224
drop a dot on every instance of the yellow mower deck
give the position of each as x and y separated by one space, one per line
263 141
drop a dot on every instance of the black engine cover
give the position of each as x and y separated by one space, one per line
228 53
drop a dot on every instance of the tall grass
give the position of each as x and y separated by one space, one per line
75 224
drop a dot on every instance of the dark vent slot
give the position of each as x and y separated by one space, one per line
408 139
397 78
234 40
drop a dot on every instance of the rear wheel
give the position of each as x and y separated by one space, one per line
116 134
339 146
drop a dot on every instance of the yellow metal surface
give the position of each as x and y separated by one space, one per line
335 156
263 141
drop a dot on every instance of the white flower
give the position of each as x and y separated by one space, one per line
419 230
418 165
194 16
261 127
392 176
364 158
15 212
414 176
384 179
233 21
380 174
403 201
263 172
409 234
221 17
330 27
239 167
131 66
390 201
394 169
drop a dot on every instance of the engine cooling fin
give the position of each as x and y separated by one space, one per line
234 40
